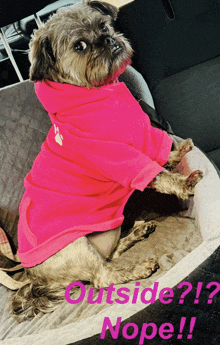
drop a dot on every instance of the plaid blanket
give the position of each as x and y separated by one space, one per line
9 263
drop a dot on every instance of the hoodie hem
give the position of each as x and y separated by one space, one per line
42 252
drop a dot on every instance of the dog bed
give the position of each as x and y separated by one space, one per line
180 243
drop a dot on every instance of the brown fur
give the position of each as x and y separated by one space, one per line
79 46
77 261
170 183
53 53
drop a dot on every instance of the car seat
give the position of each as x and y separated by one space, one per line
24 124
177 50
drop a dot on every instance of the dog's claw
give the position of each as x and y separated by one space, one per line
150 227
185 147
145 268
191 181
179 152
153 264
145 229
194 178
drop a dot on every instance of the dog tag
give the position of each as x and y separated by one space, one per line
119 3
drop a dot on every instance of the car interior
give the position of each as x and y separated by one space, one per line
175 76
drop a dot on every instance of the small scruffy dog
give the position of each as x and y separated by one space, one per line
100 148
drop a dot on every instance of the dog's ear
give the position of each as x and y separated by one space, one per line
41 57
104 8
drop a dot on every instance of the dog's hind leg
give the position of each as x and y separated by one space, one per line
104 273
107 274
79 261
137 234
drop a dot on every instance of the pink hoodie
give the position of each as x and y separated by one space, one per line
100 148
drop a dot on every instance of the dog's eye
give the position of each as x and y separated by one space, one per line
103 27
80 46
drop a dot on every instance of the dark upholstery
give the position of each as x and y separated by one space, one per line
190 102
166 46
23 127
177 50
13 10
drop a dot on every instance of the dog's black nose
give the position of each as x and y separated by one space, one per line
109 41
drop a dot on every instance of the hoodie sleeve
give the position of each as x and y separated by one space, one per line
123 163
132 166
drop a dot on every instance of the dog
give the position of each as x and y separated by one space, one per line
73 189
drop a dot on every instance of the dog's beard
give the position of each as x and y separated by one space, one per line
112 78
107 65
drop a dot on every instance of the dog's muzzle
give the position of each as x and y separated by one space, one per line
113 44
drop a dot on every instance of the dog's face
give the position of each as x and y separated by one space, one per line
79 46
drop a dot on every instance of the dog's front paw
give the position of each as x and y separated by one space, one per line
190 183
194 178
179 152
185 147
